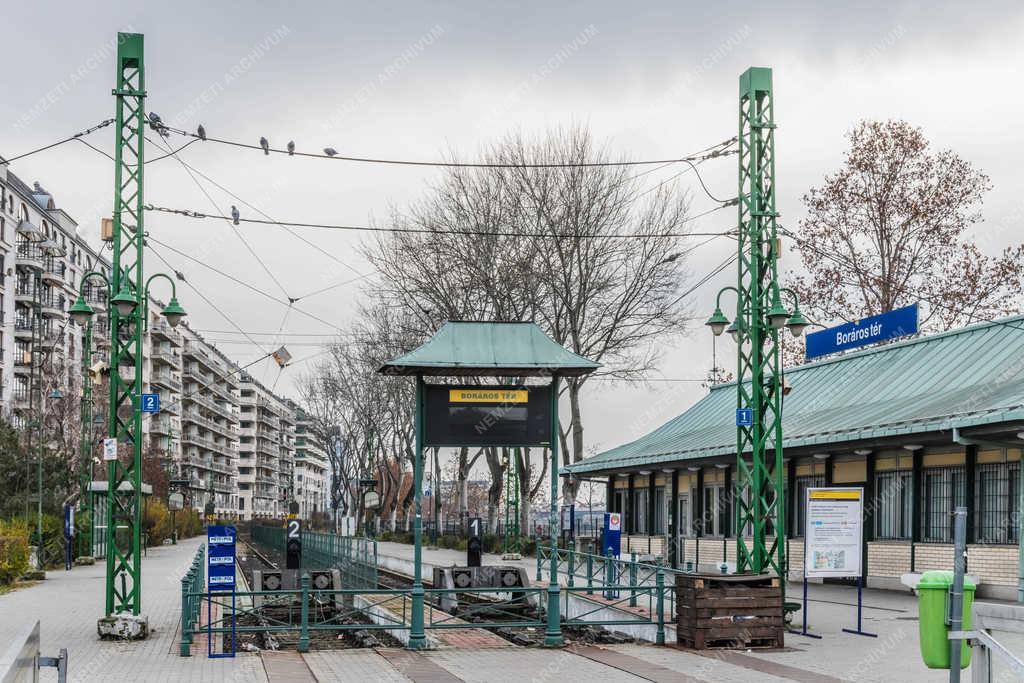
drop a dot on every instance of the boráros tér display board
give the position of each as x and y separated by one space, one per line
834 532
487 416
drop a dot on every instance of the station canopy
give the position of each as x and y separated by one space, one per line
970 378
490 349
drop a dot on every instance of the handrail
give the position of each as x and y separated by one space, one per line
192 585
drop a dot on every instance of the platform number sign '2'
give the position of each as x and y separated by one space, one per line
293 545
149 403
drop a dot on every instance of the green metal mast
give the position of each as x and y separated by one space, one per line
124 495
759 481
512 531
85 445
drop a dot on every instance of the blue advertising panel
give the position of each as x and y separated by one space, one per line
149 403
896 323
220 557
611 538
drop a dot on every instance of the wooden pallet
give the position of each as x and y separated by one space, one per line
729 611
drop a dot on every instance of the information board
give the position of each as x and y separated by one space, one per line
220 557
487 416
835 531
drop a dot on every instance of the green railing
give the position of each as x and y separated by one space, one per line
355 557
306 610
193 584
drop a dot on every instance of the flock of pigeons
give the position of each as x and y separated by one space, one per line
157 124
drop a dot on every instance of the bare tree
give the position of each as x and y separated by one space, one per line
889 228
521 242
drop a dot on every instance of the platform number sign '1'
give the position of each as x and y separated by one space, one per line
293 545
474 546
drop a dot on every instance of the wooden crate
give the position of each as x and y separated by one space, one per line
729 611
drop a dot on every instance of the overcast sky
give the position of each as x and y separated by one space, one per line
420 80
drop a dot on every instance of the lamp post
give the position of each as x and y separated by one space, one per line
129 320
758 485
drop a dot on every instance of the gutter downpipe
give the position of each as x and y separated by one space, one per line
966 441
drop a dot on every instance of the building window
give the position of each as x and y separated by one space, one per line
660 527
800 486
942 490
639 511
892 505
716 516
996 495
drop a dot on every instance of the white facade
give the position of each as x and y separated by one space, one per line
231 438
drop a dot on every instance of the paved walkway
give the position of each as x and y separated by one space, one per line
68 603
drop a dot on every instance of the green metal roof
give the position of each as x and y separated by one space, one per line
967 377
490 349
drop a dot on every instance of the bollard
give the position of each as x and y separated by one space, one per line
186 626
572 567
303 645
590 573
632 579
609 575
659 582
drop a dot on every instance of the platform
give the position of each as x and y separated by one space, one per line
68 604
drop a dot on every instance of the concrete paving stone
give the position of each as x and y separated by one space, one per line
364 666
695 665
526 664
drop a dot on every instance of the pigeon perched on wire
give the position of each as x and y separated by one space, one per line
234 214
265 145
330 151
201 132
157 124
291 147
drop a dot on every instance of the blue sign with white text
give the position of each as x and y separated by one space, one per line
220 557
896 323
744 417
149 403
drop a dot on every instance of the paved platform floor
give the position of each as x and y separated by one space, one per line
68 603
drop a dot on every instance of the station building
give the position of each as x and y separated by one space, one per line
923 426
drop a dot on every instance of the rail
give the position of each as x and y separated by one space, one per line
22 660
986 618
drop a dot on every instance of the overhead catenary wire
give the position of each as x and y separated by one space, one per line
233 229
76 136
451 164
469 233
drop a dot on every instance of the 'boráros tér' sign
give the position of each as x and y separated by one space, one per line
896 323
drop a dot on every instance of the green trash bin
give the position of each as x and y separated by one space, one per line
933 611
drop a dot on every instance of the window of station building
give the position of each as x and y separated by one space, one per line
942 490
660 511
716 511
997 503
800 486
639 511
892 505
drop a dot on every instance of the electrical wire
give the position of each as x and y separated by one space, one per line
469 233
236 231
76 136
449 164
283 302
269 218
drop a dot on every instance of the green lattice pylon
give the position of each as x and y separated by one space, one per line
758 484
124 479
510 542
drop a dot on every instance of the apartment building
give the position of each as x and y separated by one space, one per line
230 437
311 484
266 451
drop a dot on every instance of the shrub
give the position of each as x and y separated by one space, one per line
13 550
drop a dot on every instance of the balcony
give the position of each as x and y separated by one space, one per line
167 356
193 372
24 292
163 330
51 307
28 231
164 426
23 328
166 379
30 256
53 271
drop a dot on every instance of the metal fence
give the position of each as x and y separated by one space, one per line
355 557
193 583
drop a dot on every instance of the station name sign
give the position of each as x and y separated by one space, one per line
488 395
899 322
